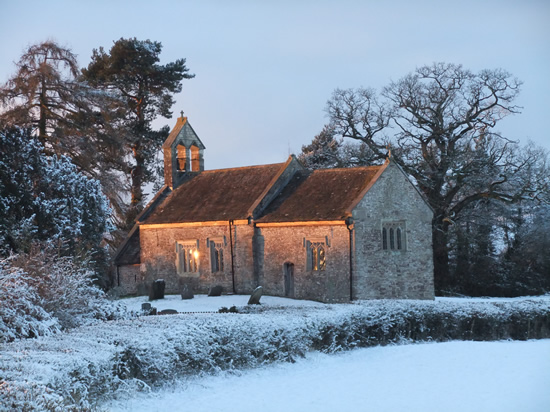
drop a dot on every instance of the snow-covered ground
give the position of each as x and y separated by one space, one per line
203 303
215 355
505 376
490 299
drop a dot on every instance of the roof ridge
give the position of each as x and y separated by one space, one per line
347 169
241 167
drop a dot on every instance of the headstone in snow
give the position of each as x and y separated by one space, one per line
255 297
187 292
157 289
168 312
147 309
215 290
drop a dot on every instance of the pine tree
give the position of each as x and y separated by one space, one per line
145 89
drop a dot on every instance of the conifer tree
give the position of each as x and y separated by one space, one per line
144 90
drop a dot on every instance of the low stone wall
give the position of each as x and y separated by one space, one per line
126 279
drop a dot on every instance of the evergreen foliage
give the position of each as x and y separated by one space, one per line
45 199
144 90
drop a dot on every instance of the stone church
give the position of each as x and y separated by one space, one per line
331 235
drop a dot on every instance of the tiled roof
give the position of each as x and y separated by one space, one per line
214 195
325 194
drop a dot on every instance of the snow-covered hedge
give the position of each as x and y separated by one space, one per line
21 315
41 293
90 364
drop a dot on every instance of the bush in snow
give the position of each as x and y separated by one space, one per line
42 293
21 311
66 288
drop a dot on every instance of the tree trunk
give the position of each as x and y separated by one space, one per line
440 257
42 119
136 204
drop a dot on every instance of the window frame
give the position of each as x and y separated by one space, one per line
394 237
316 254
216 247
187 257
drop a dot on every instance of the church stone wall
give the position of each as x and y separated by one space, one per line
393 274
158 258
127 278
288 245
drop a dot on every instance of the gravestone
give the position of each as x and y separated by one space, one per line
168 312
255 297
187 292
147 309
157 289
215 291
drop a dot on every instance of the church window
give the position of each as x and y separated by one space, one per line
187 257
316 255
398 238
393 236
216 255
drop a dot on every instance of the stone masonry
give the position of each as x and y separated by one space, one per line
391 274
371 226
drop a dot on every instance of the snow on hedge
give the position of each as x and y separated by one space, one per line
85 366
41 294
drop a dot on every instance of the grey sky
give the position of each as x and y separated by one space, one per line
265 69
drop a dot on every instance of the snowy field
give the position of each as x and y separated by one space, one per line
505 376
240 361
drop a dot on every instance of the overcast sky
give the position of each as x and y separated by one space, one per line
265 69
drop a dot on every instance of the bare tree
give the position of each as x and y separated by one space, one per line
444 119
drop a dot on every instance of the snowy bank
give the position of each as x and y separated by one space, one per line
91 364
504 376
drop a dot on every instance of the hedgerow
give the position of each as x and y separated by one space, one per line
84 367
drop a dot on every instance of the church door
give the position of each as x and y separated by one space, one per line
288 271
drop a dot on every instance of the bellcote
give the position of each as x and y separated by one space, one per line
183 152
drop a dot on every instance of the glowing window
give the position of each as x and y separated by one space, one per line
187 257
316 256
